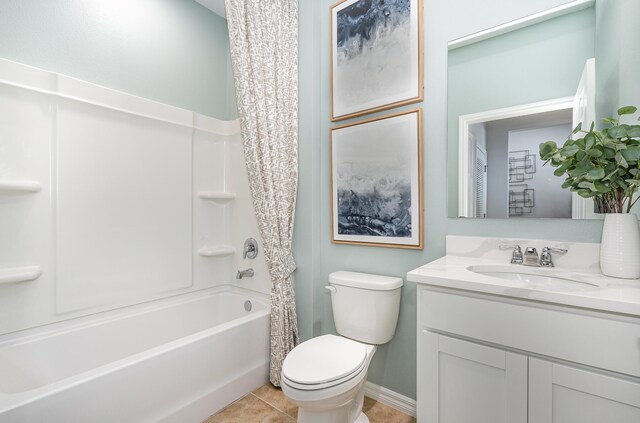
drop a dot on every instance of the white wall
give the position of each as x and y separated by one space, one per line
119 219
498 169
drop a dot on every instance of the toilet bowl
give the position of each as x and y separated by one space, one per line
325 376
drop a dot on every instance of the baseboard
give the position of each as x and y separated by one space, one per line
392 399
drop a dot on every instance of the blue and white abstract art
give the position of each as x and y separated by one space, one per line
375 55
376 181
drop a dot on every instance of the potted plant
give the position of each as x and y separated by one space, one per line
605 166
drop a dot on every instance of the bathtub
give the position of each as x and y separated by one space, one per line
173 360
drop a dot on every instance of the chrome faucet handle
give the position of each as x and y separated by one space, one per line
516 257
250 249
545 258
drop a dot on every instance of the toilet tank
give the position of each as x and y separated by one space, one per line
365 306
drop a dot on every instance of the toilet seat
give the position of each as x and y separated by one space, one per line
324 362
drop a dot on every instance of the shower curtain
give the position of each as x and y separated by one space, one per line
264 54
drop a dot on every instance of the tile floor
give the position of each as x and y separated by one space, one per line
268 404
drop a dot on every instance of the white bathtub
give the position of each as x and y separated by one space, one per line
175 360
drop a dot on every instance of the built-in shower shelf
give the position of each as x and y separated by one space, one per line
216 251
19 274
20 186
219 197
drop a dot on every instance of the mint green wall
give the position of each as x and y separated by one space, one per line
540 62
171 51
618 56
394 364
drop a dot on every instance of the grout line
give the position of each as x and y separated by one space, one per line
272 406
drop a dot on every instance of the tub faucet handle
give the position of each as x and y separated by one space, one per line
250 249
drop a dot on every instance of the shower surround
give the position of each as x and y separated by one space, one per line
111 201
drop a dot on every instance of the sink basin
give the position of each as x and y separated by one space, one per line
538 278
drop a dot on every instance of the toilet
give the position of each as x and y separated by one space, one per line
325 376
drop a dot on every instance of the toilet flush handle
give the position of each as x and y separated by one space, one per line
331 289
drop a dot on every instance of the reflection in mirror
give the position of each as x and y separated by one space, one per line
526 82
501 90
523 188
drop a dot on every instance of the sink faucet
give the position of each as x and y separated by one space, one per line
531 257
545 258
244 273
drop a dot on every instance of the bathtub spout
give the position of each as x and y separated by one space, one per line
244 273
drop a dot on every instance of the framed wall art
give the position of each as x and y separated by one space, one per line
376 56
376 182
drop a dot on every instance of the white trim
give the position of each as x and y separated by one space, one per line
392 399
62 86
585 101
464 204
563 9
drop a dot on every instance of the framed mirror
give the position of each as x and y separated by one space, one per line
515 86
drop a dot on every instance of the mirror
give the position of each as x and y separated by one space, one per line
515 86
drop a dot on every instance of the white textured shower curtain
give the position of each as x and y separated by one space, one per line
264 53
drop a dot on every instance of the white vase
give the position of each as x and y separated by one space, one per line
620 246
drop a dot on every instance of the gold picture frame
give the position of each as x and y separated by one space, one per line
377 182
377 60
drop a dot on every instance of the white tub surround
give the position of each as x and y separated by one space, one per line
109 200
174 360
508 343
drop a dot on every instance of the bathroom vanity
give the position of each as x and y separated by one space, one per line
500 342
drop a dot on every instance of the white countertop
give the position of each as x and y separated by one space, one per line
605 293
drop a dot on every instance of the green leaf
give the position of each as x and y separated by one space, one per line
597 173
627 110
617 132
621 161
633 131
577 128
569 150
547 149
610 121
631 154
601 186
585 193
594 152
590 140
562 169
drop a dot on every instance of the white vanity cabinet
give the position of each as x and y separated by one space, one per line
460 381
490 359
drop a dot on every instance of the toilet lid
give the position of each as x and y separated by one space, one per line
324 359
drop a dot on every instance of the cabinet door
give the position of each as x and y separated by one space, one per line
462 382
563 394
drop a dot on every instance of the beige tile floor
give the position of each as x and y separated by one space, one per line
268 404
